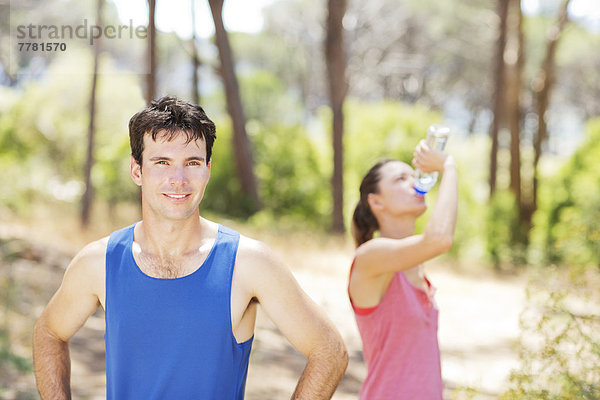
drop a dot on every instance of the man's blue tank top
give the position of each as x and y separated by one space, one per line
172 338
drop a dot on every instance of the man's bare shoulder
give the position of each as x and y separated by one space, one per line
254 253
88 266
93 253
259 262
252 247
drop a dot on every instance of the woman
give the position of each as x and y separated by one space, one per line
390 294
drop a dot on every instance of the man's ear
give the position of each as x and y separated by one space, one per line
136 171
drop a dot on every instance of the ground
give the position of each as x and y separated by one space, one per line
479 319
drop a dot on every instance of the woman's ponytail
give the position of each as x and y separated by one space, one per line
364 223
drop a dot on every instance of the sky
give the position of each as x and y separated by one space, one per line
175 15
586 12
245 15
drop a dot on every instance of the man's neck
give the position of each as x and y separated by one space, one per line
171 238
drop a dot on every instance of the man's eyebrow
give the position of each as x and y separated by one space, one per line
193 158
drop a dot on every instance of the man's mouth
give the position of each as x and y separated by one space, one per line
176 196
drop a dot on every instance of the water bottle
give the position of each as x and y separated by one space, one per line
437 136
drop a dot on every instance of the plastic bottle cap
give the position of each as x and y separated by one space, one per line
420 192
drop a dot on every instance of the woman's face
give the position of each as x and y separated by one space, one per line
397 195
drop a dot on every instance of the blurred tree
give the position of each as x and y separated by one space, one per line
422 51
88 194
498 100
151 53
415 51
514 58
542 87
522 203
6 78
241 143
335 55
515 62
578 66
294 31
195 58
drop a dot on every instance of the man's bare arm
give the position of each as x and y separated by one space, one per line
324 370
52 364
299 319
75 300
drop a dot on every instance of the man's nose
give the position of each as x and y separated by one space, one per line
178 176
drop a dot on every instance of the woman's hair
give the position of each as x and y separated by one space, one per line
364 223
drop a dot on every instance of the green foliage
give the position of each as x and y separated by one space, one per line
505 235
265 99
291 177
289 173
10 251
568 220
9 360
559 347
43 135
224 194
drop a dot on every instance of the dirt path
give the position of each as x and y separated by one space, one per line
479 316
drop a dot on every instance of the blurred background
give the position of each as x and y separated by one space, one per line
306 96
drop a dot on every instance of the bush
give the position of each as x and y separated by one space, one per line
504 232
559 347
43 136
224 193
568 221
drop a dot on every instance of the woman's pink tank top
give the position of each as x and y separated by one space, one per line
400 344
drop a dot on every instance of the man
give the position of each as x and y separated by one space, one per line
180 292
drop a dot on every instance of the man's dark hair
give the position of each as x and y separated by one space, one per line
169 117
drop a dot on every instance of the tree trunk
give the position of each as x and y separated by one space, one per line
338 87
241 143
88 194
499 76
542 86
195 59
151 76
515 61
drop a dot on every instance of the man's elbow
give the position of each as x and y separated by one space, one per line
331 352
43 334
39 331
338 352
342 355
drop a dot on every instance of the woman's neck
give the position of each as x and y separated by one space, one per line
397 228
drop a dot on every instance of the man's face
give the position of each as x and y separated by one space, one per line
173 176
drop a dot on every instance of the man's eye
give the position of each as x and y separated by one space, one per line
194 163
162 162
